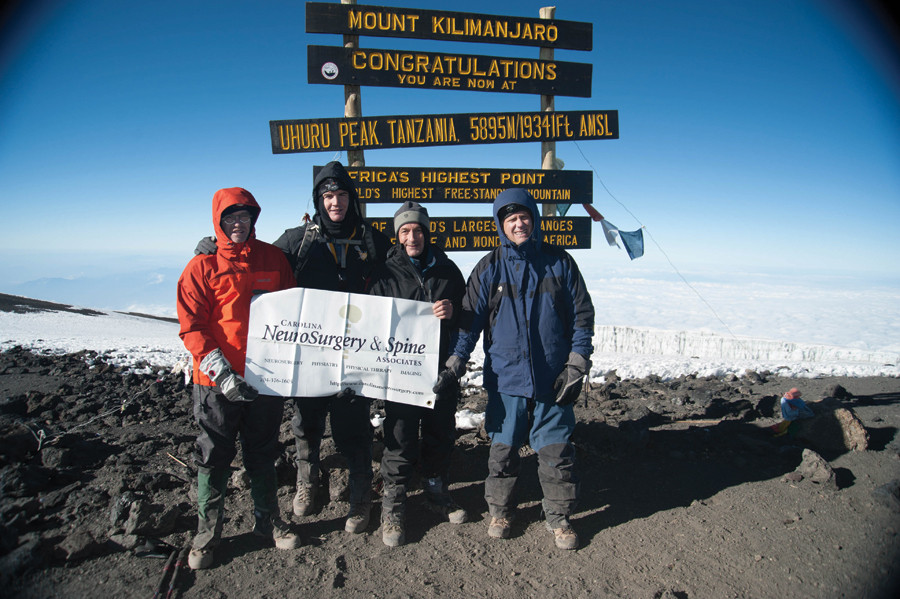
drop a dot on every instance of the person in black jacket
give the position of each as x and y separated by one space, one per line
417 270
336 251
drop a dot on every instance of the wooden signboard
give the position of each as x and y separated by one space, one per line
393 185
436 70
476 233
404 131
382 21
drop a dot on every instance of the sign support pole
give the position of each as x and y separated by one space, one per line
353 108
548 148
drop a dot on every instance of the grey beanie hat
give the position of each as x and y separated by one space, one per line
411 212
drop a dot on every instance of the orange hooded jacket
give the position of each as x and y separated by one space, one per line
214 290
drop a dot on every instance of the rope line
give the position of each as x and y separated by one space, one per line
659 247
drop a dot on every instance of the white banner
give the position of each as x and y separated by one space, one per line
313 343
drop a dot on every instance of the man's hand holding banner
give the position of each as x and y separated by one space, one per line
313 343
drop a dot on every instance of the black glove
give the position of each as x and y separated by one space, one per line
347 394
569 382
207 245
449 376
217 368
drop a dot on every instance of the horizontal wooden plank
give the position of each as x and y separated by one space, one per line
437 70
479 233
384 21
390 185
404 131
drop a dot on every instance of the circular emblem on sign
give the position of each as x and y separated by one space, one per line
329 70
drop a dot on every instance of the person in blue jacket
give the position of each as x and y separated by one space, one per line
529 300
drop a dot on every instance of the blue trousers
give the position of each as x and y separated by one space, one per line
510 420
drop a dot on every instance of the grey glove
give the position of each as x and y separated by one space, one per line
570 381
449 376
207 245
217 368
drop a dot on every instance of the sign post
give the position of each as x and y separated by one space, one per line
353 104
353 67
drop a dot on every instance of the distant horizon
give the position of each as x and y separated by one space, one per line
633 352
828 308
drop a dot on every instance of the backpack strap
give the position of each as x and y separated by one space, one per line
310 235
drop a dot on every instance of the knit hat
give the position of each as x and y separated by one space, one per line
411 212
330 184
793 394
509 209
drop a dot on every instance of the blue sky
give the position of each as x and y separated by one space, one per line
757 136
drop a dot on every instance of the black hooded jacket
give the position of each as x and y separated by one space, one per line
320 266
439 279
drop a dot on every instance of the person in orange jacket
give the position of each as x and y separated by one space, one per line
213 304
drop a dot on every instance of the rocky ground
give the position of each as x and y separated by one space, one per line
686 493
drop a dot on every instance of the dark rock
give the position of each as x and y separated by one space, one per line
838 392
56 457
123 542
816 469
24 557
150 520
120 508
9 539
80 545
889 495
15 406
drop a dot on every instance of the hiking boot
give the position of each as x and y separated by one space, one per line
305 500
449 512
358 517
200 559
393 533
269 527
564 536
499 528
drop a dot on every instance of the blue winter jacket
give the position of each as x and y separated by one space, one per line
532 305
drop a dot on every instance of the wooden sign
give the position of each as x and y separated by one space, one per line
476 233
436 70
390 185
404 131
382 21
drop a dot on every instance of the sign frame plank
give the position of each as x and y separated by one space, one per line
479 233
395 184
410 69
405 131
384 21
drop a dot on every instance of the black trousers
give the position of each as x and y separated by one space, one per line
256 423
417 435
352 432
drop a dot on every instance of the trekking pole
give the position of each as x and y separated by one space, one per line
165 574
182 559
